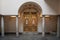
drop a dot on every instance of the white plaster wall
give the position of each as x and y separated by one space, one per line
10 7
50 7
0 6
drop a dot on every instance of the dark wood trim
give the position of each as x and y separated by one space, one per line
9 15
45 33
10 33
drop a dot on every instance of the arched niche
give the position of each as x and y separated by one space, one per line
29 7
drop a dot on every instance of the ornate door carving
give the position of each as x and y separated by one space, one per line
30 21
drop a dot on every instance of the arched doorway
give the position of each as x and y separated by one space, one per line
30 13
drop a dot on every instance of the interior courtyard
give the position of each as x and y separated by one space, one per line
33 20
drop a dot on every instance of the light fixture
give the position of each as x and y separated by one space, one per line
47 16
13 16
19 16
40 15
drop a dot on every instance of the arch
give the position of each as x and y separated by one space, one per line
30 5
27 6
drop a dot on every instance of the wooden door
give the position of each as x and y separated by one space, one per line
30 22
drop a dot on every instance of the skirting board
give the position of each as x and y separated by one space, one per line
23 33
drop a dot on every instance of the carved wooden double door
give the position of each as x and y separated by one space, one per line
30 21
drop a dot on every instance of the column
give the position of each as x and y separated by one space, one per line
43 25
2 26
58 25
17 33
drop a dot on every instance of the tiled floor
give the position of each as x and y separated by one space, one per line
28 37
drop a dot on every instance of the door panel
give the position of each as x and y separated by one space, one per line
30 22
